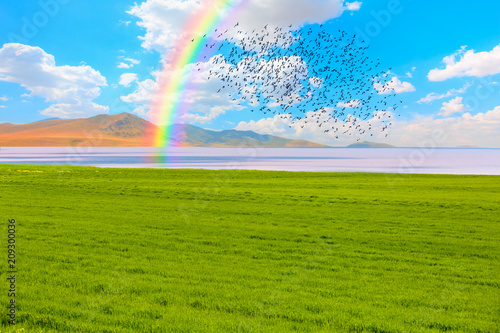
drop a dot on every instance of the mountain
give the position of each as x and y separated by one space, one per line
47 119
127 130
368 144
199 137
121 130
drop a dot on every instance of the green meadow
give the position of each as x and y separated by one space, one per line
158 250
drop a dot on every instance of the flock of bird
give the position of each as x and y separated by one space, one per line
305 76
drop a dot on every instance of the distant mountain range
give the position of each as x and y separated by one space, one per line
199 137
368 144
127 130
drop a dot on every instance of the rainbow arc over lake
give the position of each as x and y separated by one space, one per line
166 105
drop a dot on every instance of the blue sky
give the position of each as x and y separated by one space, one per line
70 59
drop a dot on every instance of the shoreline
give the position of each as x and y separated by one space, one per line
395 174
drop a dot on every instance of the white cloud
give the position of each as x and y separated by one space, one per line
130 64
72 88
124 65
470 63
143 94
345 132
434 96
353 6
165 24
409 74
70 110
350 104
133 61
395 85
277 125
3 107
140 110
277 79
207 94
316 82
201 118
127 78
4 98
452 107
206 98
165 21
482 129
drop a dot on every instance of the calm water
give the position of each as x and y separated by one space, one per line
484 161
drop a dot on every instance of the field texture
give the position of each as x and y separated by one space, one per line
122 250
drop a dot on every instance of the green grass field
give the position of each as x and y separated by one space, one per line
144 250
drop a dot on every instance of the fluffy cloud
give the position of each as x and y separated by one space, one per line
211 114
127 78
205 100
142 96
309 130
72 88
434 96
130 64
133 61
353 6
470 63
123 65
452 107
350 104
208 96
395 85
482 130
165 21
4 98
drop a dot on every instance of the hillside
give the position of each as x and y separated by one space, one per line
119 130
199 137
368 144
128 130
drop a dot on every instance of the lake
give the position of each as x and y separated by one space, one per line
477 161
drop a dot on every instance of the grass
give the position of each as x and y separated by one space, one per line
145 250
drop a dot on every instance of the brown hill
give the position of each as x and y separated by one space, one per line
127 130
121 130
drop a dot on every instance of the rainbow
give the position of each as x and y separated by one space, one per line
166 103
